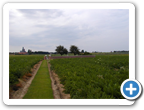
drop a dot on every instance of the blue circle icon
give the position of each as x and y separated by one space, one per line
130 89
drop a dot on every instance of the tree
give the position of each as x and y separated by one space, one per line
74 49
29 51
65 51
60 50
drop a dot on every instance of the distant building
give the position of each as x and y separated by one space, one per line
23 52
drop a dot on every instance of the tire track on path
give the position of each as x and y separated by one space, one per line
57 87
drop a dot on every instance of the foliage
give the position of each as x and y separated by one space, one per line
74 49
93 78
65 51
85 53
20 65
29 51
61 50
40 52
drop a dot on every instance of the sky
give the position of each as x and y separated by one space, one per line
101 30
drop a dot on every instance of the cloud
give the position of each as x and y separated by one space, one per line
91 30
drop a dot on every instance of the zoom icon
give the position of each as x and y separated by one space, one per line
131 89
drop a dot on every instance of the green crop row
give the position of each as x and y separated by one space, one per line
93 78
20 65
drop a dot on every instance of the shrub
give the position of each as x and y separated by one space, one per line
12 79
87 53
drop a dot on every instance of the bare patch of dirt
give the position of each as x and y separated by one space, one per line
56 86
24 83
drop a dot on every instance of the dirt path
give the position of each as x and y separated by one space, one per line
19 94
56 86
55 82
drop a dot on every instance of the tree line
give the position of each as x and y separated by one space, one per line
73 49
37 52
62 50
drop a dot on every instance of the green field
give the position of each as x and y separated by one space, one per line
83 78
93 78
40 87
20 65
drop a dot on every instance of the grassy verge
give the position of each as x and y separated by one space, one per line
41 84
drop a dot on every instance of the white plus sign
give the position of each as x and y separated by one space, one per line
131 89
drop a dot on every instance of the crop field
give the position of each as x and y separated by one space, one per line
20 65
93 78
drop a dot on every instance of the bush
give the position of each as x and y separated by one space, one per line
12 79
87 53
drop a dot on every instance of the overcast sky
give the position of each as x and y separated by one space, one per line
102 30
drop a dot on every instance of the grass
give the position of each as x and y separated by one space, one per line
40 87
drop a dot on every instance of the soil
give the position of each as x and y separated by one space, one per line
56 86
24 83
